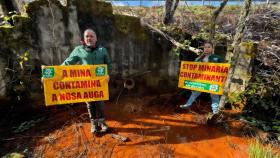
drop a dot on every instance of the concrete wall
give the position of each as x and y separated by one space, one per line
51 32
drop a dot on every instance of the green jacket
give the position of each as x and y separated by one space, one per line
211 59
80 55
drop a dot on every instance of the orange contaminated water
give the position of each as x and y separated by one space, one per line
153 130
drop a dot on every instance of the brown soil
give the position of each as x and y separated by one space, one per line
153 128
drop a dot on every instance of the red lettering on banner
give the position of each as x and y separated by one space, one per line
207 77
185 66
77 95
95 94
208 68
67 85
213 68
218 69
76 84
223 78
182 74
85 95
70 96
193 67
189 66
73 96
64 74
101 94
80 73
61 85
55 85
62 96
226 70
54 98
212 78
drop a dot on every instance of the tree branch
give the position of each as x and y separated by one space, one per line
215 15
172 40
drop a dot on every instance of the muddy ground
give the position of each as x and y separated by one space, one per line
153 125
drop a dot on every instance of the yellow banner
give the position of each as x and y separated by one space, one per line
203 77
75 83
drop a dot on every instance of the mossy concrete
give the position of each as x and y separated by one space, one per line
50 31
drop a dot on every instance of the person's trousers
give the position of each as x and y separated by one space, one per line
96 110
215 100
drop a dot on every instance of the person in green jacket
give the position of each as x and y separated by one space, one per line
207 56
90 53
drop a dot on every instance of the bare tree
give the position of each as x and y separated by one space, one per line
170 7
215 15
233 59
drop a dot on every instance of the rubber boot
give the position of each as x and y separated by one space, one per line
94 126
103 126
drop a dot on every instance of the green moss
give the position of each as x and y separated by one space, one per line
130 25
16 37
14 41
13 155
95 8
247 44
5 28
234 98
248 49
152 81
102 8
21 21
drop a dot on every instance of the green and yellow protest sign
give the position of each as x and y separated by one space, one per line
203 77
75 83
